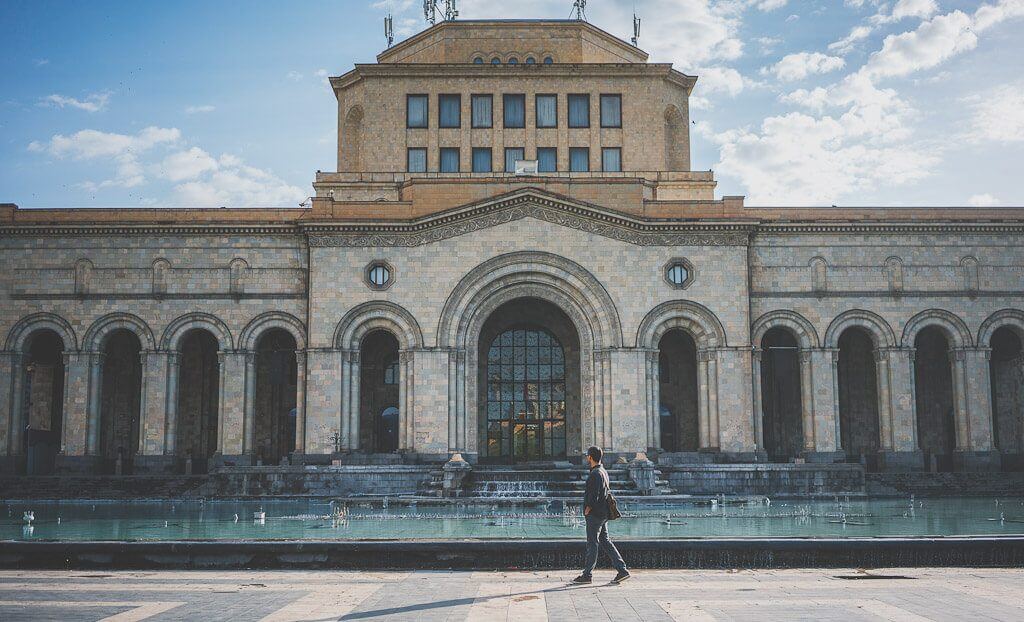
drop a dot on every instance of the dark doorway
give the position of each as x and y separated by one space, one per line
43 416
858 395
1006 368
198 398
781 396
678 386
528 383
120 399
388 430
276 378
933 380
378 391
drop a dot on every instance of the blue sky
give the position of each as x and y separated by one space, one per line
844 102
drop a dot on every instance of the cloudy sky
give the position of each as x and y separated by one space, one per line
798 102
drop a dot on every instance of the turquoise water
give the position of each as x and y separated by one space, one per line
215 520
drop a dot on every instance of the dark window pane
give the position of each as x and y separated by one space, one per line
579 159
481 160
611 159
511 155
579 111
482 110
449 110
547 159
547 111
515 110
611 111
417 160
449 159
416 111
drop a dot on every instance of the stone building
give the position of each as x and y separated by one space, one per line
513 261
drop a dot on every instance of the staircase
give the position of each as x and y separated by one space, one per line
516 482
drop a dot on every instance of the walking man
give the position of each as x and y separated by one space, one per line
595 510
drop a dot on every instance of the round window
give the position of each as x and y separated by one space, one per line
378 275
495 61
677 274
513 61
548 60
478 61
531 60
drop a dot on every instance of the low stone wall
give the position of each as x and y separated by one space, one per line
996 551
765 479
946 484
325 481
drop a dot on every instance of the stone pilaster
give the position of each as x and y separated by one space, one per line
11 373
354 385
736 434
157 410
249 379
94 413
231 419
807 399
652 376
628 432
74 456
824 404
758 402
430 399
300 402
899 450
973 394
325 382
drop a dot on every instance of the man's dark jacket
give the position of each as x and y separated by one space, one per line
596 495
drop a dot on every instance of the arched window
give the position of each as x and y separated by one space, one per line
391 371
513 61
495 61
548 60
478 60
531 60
526 395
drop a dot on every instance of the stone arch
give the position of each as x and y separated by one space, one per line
954 328
363 319
676 139
1003 317
252 332
27 325
697 320
880 331
547 271
174 331
804 331
97 335
819 274
352 138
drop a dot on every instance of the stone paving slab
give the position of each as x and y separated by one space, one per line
818 595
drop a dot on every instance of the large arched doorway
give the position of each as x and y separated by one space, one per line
43 415
1006 368
198 398
529 381
677 378
378 391
858 395
781 395
933 383
120 400
276 378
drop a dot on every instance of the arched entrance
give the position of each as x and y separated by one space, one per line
1006 367
387 429
678 387
529 379
43 400
858 394
276 378
198 398
378 391
781 395
933 383
120 400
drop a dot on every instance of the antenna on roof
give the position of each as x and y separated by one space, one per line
579 7
450 11
430 11
389 29
636 30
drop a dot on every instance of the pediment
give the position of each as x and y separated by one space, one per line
529 203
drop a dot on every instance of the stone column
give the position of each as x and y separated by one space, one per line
231 419
403 403
652 377
95 416
11 378
325 388
703 416
900 451
354 380
173 370
249 381
807 398
882 376
714 443
300 402
758 410
346 400
824 416
973 393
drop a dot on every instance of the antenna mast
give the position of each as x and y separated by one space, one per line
430 9
636 30
389 29
579 7
450 11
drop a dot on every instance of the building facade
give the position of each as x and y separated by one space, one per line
513 261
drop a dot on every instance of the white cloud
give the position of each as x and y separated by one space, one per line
294 76
187 164
802 64
998 115
94 102
232 182
983 200
39 62
914 8
933 42
768 43
846 44
770 5
87 144
199 109
720 80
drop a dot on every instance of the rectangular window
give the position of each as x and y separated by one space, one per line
482 106
579 159
449 110
416 160
611 111
547 160
416 111
511 155
449 159
547 111
611 159
579 111
515 110
481 159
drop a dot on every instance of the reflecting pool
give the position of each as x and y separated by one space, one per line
315 519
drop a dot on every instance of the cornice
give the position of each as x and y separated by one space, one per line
149 229
890 228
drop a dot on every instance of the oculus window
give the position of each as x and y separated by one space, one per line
416 111
379 275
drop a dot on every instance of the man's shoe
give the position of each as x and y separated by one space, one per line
583 579
622 576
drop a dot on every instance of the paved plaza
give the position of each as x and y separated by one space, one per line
671 595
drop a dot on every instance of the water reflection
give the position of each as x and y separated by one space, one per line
401 519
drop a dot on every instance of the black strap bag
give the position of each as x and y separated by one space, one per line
613 508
